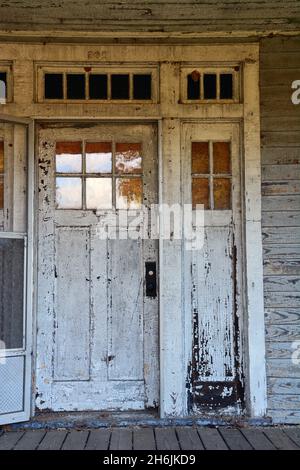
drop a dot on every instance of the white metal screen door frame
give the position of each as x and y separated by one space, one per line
24 413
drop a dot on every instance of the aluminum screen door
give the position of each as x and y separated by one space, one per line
16 176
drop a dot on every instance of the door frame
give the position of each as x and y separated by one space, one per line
173 391
29 271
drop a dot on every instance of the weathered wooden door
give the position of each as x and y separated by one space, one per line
15 281
97 322
213 178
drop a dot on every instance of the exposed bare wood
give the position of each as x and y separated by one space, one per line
283 385
281 235
282 267
281 219
150 16
279 367
281 316
274 173
282 283
280 349
282 299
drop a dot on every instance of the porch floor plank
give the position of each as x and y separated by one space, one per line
98 439
121 439
212 439
143 439
53 440
30 440
280 440
75 440
166 439
294 434
189 439
257 439
9 439
235 439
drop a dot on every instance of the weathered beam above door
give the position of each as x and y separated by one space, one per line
241 18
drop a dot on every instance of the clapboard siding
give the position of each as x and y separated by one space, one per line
280 141
152 15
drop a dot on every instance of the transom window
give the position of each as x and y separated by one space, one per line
211 175
208 85
98 175
97 84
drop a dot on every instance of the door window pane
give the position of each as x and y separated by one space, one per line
98 193
128 158
200 192
221 158
128 193
68 157
68 193
222 193
98 157
200 157
11 293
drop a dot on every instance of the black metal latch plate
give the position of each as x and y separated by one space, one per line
151 283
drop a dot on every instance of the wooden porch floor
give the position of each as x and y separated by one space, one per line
149 438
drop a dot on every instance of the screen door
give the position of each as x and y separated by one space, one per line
15 317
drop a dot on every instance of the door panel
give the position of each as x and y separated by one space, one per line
98 342
72 335
213 270
15 340
126 322
212 176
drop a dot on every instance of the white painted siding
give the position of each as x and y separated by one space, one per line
280 127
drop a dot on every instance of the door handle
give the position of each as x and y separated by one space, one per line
151 283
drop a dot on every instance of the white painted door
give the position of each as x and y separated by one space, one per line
97 321
211 171
15 311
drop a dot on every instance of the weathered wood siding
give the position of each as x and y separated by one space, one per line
280 127
187 16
